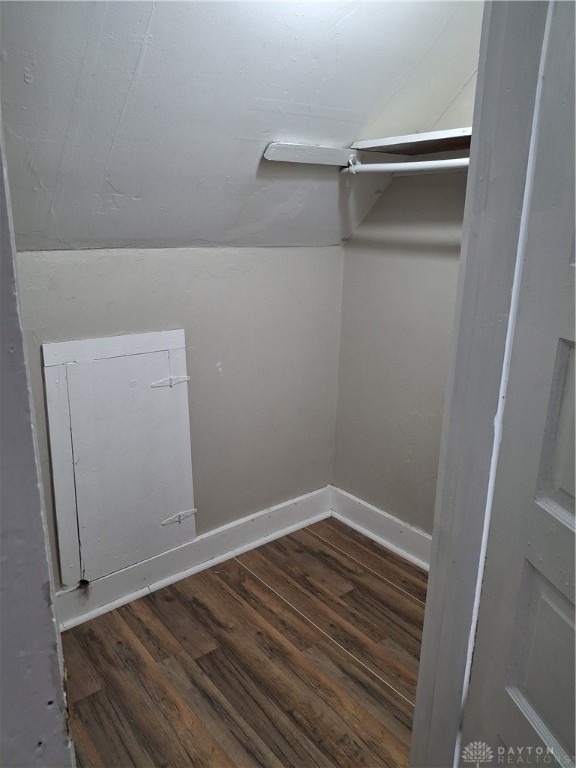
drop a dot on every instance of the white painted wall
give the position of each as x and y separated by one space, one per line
439 92
263 335
262 332
400 274
34 731
143 124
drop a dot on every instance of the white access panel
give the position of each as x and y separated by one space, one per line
121 457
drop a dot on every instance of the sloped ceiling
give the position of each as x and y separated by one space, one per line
144 124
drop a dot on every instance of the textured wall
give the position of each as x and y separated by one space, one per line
144 124
262 334
400 274
33 715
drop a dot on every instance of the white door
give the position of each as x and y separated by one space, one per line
130 496
520 704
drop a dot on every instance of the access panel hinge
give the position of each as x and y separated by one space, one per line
171 381
178 517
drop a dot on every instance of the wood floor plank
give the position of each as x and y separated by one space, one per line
190 635
225 722
106 731
264 655
314 562
149 629
296 629
313 604
350 736
149 725
81 677
397 705
162 720
381 733
301 654
371 554
348 613
86 753
394 709
375 607
400 635
409 654
366 688
290 746
397 606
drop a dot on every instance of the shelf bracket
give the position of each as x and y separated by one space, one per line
391 151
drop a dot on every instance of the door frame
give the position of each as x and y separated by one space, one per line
513 34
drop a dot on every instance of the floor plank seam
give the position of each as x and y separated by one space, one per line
366 567
323 632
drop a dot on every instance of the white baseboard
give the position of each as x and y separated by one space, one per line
389 531
76 606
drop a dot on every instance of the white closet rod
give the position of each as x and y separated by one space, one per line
355 166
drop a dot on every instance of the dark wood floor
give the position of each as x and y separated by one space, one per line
303 652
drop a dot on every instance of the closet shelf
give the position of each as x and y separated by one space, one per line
397 154
454 140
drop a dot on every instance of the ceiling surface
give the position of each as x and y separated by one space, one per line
144 124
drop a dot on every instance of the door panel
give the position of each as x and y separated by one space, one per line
541 672
132 465
556 482
521 694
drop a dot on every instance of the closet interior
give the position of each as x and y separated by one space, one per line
238 228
